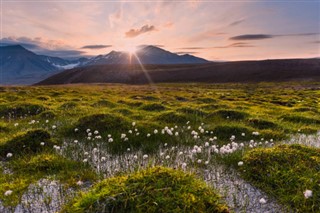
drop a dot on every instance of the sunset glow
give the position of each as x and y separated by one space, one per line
215 30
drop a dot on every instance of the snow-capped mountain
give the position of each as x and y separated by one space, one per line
21 66
145 55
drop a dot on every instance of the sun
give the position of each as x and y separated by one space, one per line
130 49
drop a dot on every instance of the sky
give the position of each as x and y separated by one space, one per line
215 30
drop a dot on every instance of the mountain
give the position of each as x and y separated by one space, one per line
145 55
21 66
238 72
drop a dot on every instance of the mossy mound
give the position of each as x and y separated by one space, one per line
47 115
104 103
300 119
262 124
156 189
68 105
191 111
103 122
172 117
26 143
229 114
285 172
224 132
20 110
153 107
206 100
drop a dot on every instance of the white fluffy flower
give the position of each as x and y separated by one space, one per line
199 161
167 157
96 132
240 163
262 201
8 192
123 136
9 155
42 143
183 165
148 135
79 183
133 123
145 157
54 126
103 159
110 140
16 124
155 131
307 193
85 160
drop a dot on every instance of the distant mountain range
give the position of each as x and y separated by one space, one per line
146 55
236 72
21 66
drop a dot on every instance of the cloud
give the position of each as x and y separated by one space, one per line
237 22
136 32
268 36
96 46
183 53
252 37
237 44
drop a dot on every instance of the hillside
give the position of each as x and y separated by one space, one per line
242 71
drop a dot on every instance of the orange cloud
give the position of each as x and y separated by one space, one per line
136 32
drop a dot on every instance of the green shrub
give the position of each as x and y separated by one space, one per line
155 189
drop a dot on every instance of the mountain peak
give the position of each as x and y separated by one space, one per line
14 47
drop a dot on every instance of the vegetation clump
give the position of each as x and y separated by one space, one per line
20 110
300 119
172 117
229 114
262 124
102 122
26 143
156 189
153 107
286 172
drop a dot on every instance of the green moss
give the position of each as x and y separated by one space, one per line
26 143
285 172
153 107
172 117
229 114
104 103
102 123
300 119
19 110
262 124
30 168
152 190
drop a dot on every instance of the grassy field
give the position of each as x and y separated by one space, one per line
88 137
